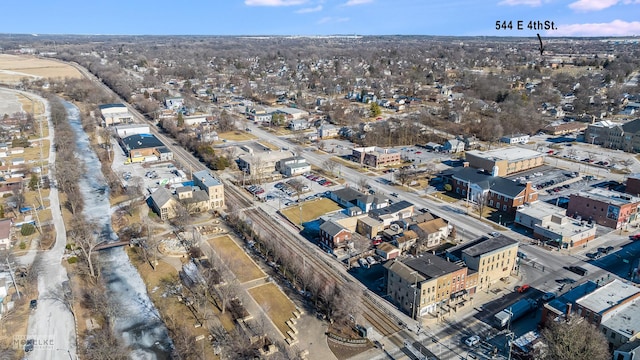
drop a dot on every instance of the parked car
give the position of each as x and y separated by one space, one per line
371 260
634 237
28 346
578 270
565 281
472 340
594 255
494 233
522 255
363 262
33 304
523 288
394 194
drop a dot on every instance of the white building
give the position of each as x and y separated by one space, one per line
114 114
515 139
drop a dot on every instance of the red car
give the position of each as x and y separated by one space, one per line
634 237
523 288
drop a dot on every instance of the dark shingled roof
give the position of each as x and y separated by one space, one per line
430 266
632 126
486 181
109 106
331 228
393 208
489 245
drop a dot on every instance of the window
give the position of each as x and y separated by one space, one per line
504 207
498 205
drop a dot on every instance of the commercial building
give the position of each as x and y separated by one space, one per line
565 128
293 166
633 185
145 147
424 284
622 136
515 139
125 130
550 224
605 207
495 191
375 157
494 258
349 197
113 114
505 161
212 186
261 165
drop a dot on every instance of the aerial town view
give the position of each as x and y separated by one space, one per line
320 179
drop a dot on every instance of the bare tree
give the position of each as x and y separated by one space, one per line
362 183
330 165
83 234
481 202
404 174
575 339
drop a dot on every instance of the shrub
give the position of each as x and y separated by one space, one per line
27 229
23 245
72 260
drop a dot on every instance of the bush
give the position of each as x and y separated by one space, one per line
27 229
72 260
23 245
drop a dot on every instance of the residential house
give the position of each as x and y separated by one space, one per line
375 157
405 240
394 212
174 103
334 236
349 197
605 207
326 131
431 233
163 203
5 234
193 199
297 125
453 146
493 258
424 284
387 251
495 191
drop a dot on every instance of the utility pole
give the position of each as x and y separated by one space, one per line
13 279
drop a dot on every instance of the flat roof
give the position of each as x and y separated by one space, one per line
489 245
206 178
510 153
540 209
625 320
568 227
607 296
609 196
141 141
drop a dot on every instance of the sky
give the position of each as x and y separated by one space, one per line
320 17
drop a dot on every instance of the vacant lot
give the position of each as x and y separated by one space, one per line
311 210
236 136
15 67
275 304
238 262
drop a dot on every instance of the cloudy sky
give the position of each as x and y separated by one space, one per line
320 17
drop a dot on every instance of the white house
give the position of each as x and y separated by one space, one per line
174 103
453 146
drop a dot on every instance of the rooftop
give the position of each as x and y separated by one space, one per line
570 297
540 209
625 320
566 226
206 178
5 228
393 208
486 245
511 153
141 141
112 106
161 197
430 266
608 196
332 228
607 296
486 181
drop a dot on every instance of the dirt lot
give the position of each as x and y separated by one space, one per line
15 67
237 261
275 303
311 210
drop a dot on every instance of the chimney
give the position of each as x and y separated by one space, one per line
567 315
465 164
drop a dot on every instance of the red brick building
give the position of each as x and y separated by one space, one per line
498 192
334 235
605 207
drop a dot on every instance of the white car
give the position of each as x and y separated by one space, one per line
472 340
363 262
371 260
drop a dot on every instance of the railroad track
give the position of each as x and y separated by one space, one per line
384 323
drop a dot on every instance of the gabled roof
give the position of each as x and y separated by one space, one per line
161 197
426 266
332 228
432 226
486 181
393 208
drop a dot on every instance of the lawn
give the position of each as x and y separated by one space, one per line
236 136
311 210
20 66
238 262
447 197
275 303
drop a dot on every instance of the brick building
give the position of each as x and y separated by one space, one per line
374 156
505 161
605 207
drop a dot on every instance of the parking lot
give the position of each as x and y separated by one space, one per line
283 193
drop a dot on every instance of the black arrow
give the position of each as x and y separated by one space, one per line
541 46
